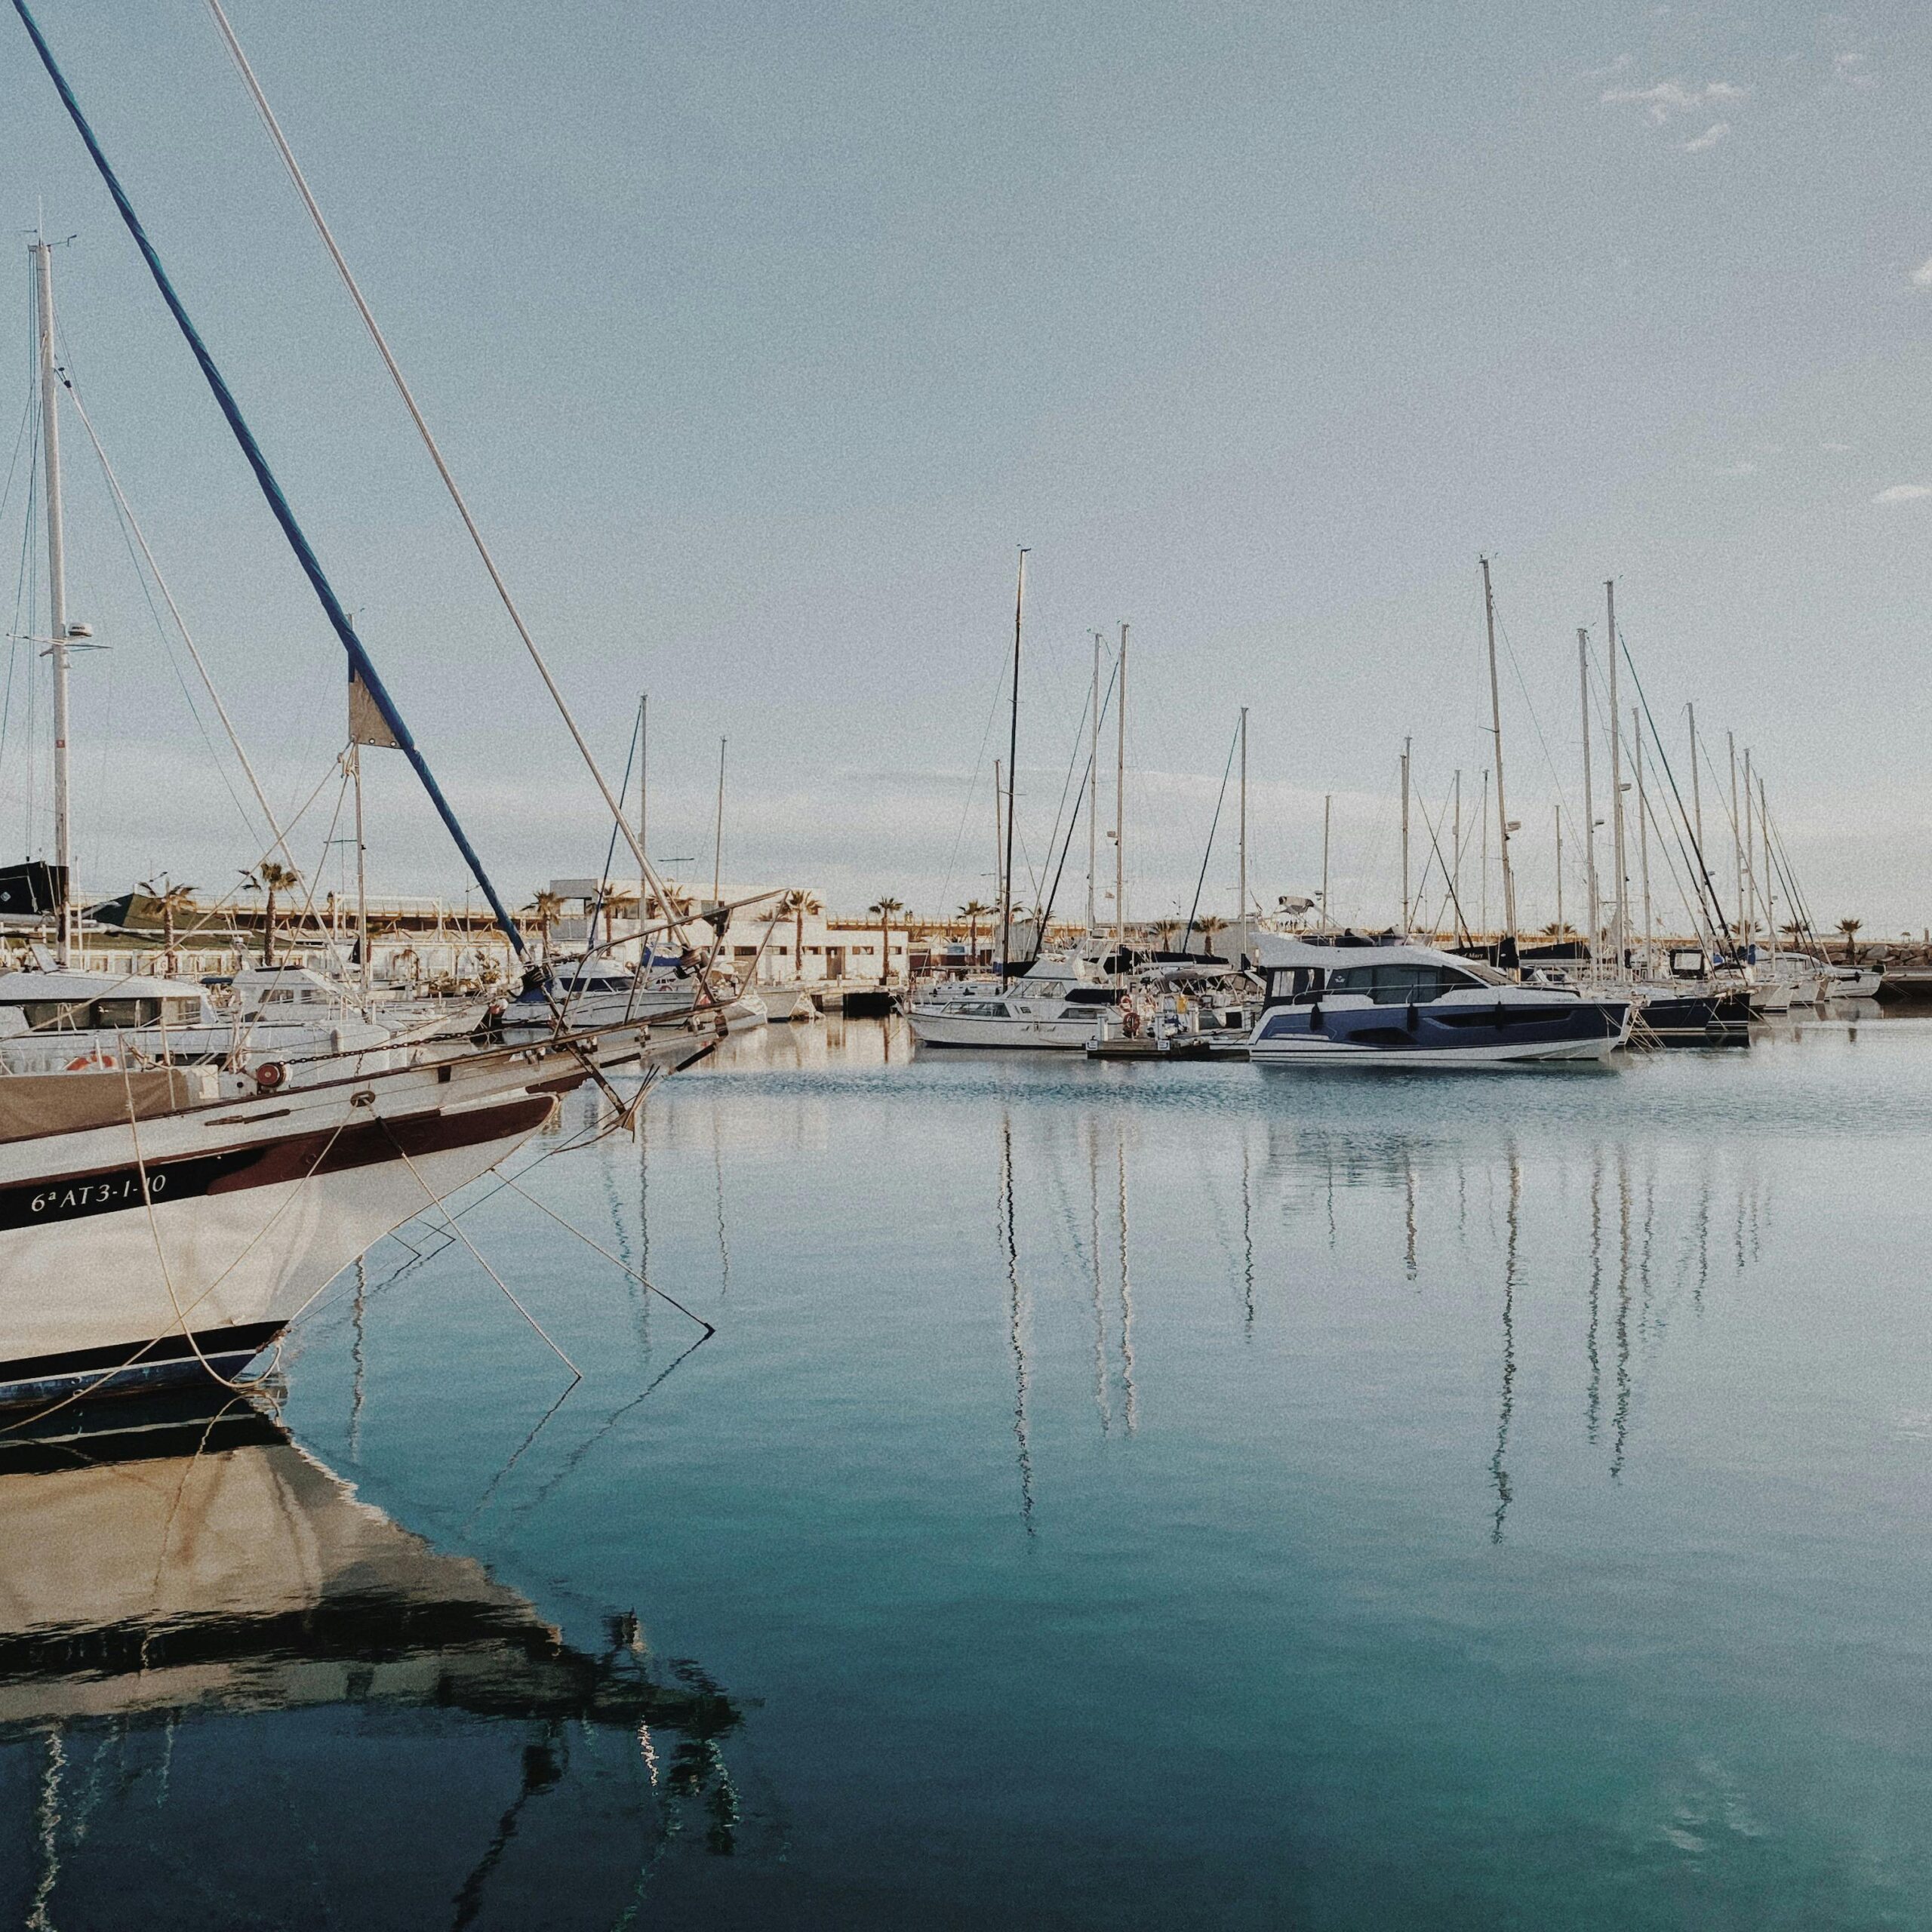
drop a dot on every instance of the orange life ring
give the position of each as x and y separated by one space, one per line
270 1074
95 1059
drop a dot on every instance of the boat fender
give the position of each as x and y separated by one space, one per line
270 1074
1409 1018
1315 1017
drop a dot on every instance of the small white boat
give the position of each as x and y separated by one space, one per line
71 1021
1399 1005
785 1003
587 993
1797 976
1060 1003
1843 983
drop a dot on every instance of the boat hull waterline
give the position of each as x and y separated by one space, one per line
133 1256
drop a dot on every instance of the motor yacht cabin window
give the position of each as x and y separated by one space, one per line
126 1012
57 1015
1403 985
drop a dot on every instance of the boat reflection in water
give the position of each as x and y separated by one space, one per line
220 1670
1494 1256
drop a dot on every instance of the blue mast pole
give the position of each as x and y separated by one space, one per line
360 668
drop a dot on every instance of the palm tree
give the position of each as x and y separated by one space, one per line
799 902
1851 929
174 899
882 910
1209 926
1166 931
972 911
271 877
546 906
1559 929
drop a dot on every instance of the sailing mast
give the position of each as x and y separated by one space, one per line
1495 728
1589 802
1619 888
643 823
1406 743
717 835
999 835
362 879
1120 808
1327 815
1696 793
1737 843
1643 825
1750 855
1012 783
1094 791
1559 871
1241 869
643 820
59 634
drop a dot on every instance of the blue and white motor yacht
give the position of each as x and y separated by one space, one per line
1358 1003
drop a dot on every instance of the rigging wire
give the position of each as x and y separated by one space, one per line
1720 925
309 201
131 531
1214 826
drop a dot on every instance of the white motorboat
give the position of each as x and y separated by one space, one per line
1061 1002
1781 980
783 1004
1400 1005
69 1022
1844 982
604 993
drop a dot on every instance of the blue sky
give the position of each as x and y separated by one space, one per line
762 335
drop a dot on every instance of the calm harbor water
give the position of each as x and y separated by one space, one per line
1114 1497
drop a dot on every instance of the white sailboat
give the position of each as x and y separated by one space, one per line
158 1223
1061 1001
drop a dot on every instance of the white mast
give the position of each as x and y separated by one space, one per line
57 592
1559 872
999 819
644 821
1093 793
1495 726
1406 743
1455 893
1737 840
1643 827
1620 885
361 877
1012 786
1589 800
1120 804
1240 882
717 833
643 825
1482 828
1696 800
1327 808
1750 851
1771 873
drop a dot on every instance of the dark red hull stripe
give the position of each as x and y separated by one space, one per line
364 1143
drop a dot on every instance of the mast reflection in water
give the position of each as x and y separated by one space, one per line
222 1672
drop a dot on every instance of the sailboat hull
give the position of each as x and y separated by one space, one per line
103 1290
